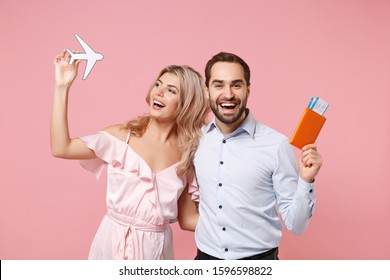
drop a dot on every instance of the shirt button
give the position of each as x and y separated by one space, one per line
226 249
220 206
224 141
224 229
221 162
310 191
220 184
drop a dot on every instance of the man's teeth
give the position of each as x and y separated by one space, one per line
228 105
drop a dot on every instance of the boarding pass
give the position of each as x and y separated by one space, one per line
318 105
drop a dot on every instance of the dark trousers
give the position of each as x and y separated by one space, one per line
269 255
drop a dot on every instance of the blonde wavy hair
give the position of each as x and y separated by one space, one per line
190 116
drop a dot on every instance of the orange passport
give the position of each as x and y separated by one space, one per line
307 129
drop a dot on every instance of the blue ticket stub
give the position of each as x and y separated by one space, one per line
318 105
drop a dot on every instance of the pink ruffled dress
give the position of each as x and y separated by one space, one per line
140 204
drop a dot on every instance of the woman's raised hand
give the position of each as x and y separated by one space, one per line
65 73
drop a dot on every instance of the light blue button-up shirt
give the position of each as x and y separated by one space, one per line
244 180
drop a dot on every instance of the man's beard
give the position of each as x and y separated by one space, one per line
222 118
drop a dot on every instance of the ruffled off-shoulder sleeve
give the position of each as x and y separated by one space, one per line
107 149
193 189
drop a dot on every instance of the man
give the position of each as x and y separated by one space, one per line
247 173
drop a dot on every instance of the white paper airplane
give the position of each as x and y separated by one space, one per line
90 56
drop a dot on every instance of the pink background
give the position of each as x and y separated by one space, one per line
338 50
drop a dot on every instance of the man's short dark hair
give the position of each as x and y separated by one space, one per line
227 57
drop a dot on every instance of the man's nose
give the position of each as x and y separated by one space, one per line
227 92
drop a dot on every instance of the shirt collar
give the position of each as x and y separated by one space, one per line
248 125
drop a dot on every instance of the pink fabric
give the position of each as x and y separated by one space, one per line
140 204
193 189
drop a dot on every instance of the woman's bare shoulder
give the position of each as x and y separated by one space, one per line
119 131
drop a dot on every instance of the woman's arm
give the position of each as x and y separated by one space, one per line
62 145
188 211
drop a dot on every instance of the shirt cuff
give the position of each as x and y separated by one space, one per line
305 188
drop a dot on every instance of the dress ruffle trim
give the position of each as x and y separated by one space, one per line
111 150
193 190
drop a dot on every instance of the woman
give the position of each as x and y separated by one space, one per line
149 161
